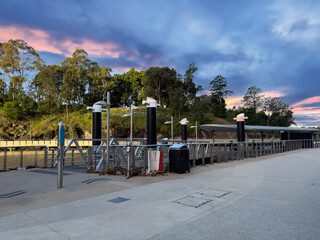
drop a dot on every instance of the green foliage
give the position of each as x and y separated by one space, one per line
219 110
128 88
219 88
47 88
12 110
17 59
159 82
278 112
18 109
253 98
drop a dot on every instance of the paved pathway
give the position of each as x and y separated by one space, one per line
273 197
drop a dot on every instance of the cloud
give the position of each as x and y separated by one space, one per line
233 101
42 41
298 22
306 114
311 100
236 100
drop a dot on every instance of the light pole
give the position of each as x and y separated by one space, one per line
196 127
170 122
131 120
131 137
108 127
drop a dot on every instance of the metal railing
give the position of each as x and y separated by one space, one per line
95 156
199 153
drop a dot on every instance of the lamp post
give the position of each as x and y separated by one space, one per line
196 127
170 122
131 137
131 121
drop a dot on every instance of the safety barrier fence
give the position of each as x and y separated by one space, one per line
137 155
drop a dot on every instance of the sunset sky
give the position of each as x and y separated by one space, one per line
274 45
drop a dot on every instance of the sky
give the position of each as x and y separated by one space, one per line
273 45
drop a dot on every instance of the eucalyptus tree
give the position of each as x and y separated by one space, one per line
75 77
47 88
253 99
279 113
219 89
19 62
100 82
158 82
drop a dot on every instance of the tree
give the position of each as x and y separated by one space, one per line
17 61
190 88
47 88
75 77
100 82
158 82
253 98
278 112
219 88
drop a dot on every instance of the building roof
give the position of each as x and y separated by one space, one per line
253 128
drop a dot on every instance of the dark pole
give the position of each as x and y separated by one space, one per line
240 127
96 121
184 131
240 132
151 125
96 127
151 121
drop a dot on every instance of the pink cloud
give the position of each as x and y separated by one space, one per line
236 100
233 101
41 41
310 100
273 94
38 39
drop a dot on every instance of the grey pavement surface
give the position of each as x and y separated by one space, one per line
272 197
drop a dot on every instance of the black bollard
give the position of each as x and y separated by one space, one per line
240 127
184 131
240 132
96 127
151 121
96 121
151 125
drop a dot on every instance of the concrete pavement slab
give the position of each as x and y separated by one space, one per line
273 197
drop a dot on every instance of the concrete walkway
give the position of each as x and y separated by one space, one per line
273 197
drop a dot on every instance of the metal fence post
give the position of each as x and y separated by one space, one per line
72 159
194 155
35 157
5 160
225 153
203 162
21 157
211 153
232 151
52 158
45 156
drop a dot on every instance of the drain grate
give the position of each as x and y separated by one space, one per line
119 200
12 194
193 201
88 181
215 193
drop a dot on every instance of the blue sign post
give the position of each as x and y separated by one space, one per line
61 131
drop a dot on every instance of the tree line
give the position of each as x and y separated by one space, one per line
28 86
